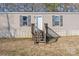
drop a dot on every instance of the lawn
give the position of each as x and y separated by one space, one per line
65 46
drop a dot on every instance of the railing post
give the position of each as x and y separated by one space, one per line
32 28
34 34
46 31
32 31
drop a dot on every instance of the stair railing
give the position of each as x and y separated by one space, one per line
38 36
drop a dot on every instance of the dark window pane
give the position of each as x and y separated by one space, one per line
56 23
56 20
23 20
24 23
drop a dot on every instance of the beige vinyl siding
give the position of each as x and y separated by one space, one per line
70 23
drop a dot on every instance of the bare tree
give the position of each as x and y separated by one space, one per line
9 29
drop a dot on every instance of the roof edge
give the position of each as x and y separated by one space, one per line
41 12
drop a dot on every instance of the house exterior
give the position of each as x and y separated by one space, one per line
19 23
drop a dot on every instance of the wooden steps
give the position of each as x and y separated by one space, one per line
38 36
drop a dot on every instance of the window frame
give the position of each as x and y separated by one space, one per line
60 20
27 20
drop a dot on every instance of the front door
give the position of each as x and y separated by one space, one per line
38 23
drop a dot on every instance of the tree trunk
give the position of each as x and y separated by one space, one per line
8 25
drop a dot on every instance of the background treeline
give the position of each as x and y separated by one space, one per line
39 7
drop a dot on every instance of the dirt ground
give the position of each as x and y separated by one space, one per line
65 46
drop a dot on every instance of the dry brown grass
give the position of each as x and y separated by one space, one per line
64 46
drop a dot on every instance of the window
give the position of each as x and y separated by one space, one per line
57 21
25 21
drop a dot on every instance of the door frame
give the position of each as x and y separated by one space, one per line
42 19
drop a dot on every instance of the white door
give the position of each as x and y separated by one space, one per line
38 22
